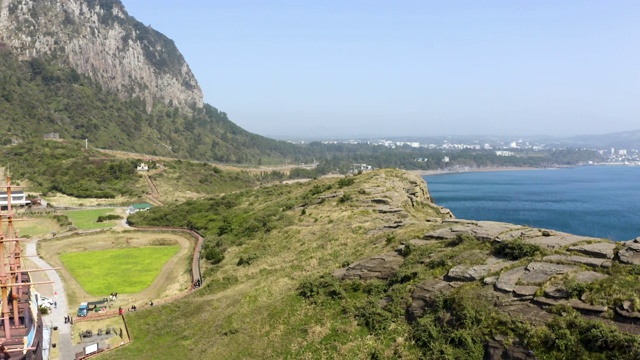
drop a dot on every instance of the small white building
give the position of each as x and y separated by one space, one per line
18 198
138 207
142 167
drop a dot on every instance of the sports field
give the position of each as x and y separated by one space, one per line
128 270
139 265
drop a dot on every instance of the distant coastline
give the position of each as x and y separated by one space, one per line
470 169
458 170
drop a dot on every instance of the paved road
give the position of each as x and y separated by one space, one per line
57 314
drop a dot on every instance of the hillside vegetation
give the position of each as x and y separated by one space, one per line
38 98
366 267
50 167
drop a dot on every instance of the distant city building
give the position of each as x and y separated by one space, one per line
622 152
504 153
445 159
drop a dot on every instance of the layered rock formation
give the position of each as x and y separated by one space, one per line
525 287
99 39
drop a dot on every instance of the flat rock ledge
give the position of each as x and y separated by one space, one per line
547 239
376 267
628 314
481 230
536 273
581 260
602 250
491 230
477 272
574 303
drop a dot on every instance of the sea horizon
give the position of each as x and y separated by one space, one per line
597 201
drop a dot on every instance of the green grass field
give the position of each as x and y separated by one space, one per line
121 270
88 219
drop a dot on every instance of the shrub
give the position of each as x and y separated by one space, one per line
461 238
345 182
515 250
325 286
371 316
344 198
103 218
246 260
214 255
62 220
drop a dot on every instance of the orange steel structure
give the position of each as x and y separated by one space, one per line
20 321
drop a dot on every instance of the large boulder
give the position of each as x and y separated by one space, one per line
630 253
426 294
494 350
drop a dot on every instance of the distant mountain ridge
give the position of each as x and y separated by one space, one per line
617 140
100 40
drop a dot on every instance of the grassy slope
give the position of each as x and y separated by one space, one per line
258 311
253 311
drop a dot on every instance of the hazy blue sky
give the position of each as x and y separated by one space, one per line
391 68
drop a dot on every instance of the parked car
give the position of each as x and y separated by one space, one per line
83 309
45 302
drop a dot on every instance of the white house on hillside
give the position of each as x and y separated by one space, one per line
142 167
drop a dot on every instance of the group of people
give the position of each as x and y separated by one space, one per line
113 296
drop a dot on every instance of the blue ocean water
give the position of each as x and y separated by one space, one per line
598 201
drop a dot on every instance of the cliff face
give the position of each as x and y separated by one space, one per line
99 39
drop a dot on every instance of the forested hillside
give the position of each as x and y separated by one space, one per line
37 98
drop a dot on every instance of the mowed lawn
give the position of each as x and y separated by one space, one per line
117 270
88 219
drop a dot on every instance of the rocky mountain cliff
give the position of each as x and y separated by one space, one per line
99 39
